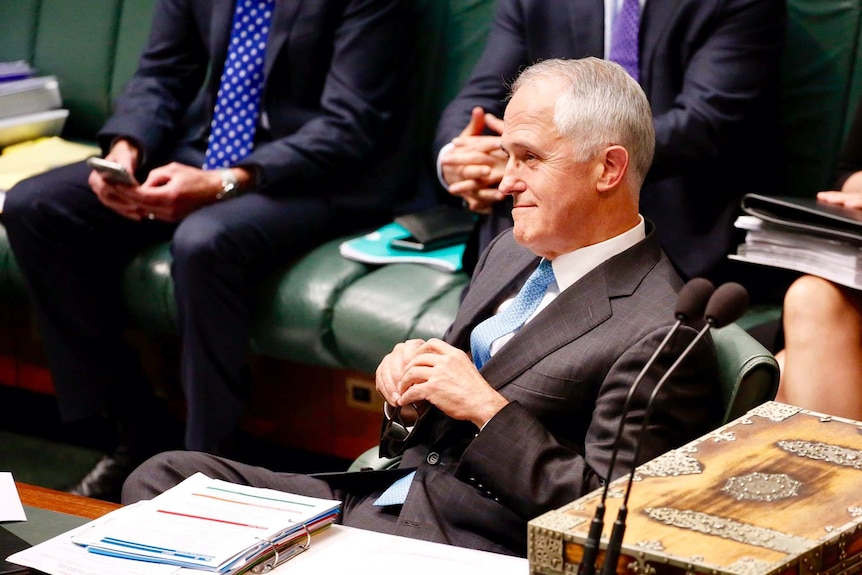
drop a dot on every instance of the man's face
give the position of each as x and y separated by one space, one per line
554 194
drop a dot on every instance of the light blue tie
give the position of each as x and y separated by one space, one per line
513 317
238 101
396 494
624 37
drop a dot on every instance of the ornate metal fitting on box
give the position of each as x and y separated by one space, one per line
834 454
762 487
641 568
671 464
729 529
775 411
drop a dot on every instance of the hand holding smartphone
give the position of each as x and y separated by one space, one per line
111 171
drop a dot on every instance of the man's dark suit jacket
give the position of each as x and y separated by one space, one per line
709 69
333 82
566 374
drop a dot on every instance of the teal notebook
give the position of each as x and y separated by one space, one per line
373 248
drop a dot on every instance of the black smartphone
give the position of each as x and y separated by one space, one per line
111 171
412 244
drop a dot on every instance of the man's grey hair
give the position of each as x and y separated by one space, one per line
600 105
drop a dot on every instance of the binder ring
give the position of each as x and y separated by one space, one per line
277 559
307 538
270 565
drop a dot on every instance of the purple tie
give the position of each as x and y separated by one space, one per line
624 37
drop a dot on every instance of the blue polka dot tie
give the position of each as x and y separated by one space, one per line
513 317
238 101
624 37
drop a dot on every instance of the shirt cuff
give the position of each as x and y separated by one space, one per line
443 151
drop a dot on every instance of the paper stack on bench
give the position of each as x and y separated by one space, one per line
202 524
30 105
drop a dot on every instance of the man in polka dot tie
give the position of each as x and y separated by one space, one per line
251 129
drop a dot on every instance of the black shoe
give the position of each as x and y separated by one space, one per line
105 480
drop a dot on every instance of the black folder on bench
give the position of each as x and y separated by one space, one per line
9 544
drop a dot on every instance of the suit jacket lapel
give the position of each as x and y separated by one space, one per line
483 298
587 25
657 16
573 313
221 23
282 22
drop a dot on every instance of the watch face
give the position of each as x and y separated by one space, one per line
229 186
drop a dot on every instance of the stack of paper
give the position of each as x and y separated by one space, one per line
30 105
204 524
768 244
16 70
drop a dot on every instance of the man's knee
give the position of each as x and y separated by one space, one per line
198 243
157 474
47 196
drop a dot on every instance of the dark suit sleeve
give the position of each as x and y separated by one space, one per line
361 91
157 96
522 464
850 160
734 64
505 53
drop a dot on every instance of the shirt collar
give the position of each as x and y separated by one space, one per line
570 267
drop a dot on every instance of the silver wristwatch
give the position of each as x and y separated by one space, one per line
229 185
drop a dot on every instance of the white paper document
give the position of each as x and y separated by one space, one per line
765 244
10 503
59 556
206 524
215 526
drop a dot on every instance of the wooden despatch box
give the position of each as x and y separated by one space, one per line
777 491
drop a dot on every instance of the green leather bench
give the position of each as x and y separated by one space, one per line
324 310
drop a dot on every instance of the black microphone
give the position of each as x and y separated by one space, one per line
690 305
725 306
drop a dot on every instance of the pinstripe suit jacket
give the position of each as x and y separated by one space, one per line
566 374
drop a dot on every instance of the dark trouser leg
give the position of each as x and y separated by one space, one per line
220 254
71 249
166 470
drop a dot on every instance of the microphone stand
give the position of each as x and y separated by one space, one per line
615 542
691 302
727 304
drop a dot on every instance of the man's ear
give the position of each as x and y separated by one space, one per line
615 164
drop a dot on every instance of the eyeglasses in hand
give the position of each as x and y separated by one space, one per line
398 426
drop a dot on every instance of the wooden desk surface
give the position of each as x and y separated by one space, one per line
52 500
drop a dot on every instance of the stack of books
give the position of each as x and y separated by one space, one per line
30 105
803 235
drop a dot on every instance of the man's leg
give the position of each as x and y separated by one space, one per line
71 250
221 252
165 470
